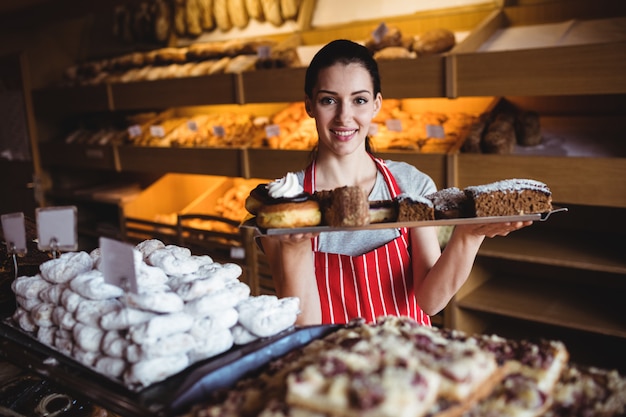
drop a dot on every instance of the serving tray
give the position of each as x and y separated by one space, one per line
170 397
251 223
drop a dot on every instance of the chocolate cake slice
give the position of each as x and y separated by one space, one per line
412 209
450 203
509 197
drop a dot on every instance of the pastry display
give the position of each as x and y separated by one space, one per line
509 197
142 338
395 367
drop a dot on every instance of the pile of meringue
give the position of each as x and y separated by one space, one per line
187 308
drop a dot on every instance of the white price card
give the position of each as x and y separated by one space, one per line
219 131
118 264
14 233
56 228
379 33
272 131
192 125
394 125
435 131
134 131
157 131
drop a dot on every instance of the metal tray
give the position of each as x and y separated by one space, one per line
173 396
251 223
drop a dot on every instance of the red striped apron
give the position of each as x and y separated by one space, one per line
377 283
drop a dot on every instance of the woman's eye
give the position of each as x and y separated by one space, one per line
360 100
327 100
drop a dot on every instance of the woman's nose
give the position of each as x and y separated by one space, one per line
344 112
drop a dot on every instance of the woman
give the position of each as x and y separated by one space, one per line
342 275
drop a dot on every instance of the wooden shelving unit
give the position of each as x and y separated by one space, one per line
565 277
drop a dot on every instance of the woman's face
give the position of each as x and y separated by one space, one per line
343 105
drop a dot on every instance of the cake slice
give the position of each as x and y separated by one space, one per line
412 209
449 203
509 198
344 206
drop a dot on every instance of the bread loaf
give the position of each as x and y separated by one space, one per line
528 129
205 10
255 10
192 18
271 10
500 135
289 9
180 23
238 13
222 19
434 41
162 19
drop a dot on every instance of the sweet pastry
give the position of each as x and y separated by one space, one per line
382 211
344 206
509 198
157 302
211 344
283 204
91 285
87 337
434 41
160 326
124 318
416 208
146 372
29 287
66 267
528 129
266 315
449 203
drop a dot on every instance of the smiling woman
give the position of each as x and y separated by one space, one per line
341 275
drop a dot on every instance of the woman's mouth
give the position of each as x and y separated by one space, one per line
344 134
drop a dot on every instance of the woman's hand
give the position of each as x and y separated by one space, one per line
492 229
295 238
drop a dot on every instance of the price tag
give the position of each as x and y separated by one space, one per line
435 131
373 130
157 131
192 125
219 131
118 264
272 131
56 228
379 33
134 131
237 253
263 52
14 233
394 125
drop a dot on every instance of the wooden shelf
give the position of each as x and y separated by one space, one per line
159 94
577 307
78 156
272 86
215 161
71 100
562 248
574 180
589 68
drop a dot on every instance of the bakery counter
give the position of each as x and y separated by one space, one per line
573 180
543 50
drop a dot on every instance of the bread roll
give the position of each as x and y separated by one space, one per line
162 19
271 10
238 13
222 19
207 19
394 52
528 129
434 41
255 10
180 24
192 18
289 9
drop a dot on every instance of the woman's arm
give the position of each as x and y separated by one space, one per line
292 265
438 276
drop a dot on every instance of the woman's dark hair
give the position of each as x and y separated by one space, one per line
342 51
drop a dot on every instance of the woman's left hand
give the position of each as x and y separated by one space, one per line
493 229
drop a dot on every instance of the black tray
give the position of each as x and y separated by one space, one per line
170 397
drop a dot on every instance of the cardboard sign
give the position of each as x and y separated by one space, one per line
14 233
56 228
118 264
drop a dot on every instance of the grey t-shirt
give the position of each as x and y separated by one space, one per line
411 181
